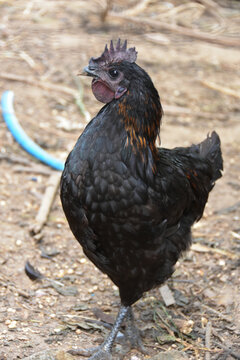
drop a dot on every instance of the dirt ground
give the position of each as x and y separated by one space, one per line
50 42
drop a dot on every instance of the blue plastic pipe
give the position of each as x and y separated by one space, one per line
21 137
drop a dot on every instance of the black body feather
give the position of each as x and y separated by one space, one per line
129 204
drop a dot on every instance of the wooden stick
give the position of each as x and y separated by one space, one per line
49 86
137 9
220 88
39 83
204 248
210 4
47 202
208 340
214 9
172 12
33 170
218 313
183 111
229 351
15 159
79 99
196 34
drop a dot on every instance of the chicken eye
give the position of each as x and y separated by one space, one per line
113 73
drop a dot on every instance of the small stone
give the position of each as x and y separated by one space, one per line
224 278
40 292
13 324
57 330
167 295
204 321
11 310
61 273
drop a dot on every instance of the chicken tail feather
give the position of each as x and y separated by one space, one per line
210 149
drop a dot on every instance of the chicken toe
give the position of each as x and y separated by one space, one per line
132 334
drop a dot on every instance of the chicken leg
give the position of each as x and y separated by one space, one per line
103 352
132 333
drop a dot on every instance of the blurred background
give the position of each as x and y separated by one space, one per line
191 50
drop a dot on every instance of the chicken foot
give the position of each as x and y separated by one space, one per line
132 333
103 352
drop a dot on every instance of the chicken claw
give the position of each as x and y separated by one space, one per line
84 352
101 355
95 353
103 352
132 334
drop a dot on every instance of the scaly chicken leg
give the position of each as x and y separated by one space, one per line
132 333
103 352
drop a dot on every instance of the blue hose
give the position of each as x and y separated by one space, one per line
21 137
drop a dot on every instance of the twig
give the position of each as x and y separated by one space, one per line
203 248
165 324
137 9
172 326
106 10
229 351
29 60
220 88
215 333
210 4
15 159
79 99
49 86
47 201
12 286
173 12
216 313
157 38
208 340
214 9
220 40
32 170
183 111
39 83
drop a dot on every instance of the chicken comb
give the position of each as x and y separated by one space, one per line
117 54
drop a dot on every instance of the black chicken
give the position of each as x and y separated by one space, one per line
130 204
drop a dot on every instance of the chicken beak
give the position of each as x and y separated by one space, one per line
88 72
